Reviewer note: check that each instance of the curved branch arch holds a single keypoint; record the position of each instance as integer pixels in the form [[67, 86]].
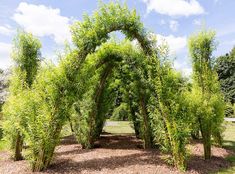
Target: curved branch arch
[[88, 36], [108, 55]]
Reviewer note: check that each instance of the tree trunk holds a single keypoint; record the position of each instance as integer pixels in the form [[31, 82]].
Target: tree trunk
[[18, 147], [134, 120], [147, 131], [207, 148], [92, 123], [206, 137]]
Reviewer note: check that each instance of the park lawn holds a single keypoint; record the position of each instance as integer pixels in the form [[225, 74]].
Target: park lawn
[[229, 136], [119, 127], [113, 127], [229, 143]]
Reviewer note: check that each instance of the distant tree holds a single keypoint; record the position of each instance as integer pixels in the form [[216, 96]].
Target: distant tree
[[225, 67]]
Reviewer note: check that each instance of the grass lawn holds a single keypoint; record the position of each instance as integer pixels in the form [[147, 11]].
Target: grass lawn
[[229, 143], [119, 127]]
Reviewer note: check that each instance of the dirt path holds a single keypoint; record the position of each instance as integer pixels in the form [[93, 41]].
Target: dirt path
[[116, 154]]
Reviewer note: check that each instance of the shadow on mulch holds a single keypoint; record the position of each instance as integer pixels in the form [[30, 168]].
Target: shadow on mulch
[[113, 162], [119, 142], [71, 158], [68, 140], [201, 166], [76, 151], [196, 163]]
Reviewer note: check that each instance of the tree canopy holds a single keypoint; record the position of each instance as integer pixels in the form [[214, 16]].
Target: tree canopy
[[225, 67]]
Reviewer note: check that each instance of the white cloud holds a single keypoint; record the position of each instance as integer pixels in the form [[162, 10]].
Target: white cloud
[[43, 21], [197, 22], [6, 30], [183, 66], [176, 44], [5, 51], [175, 7], [173, 24]]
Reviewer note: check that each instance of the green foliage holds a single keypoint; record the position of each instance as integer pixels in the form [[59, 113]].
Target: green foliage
[[225, 67], [90, 109], [76, 89], [206, 99], [49, 112], [26, 55], [84, 87], [172, 121], [94, 30], [121, 113]]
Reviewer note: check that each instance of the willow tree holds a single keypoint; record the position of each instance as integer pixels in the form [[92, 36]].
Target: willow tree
[[26, 57], [206, 98]]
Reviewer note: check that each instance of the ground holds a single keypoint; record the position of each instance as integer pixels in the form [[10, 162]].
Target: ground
[[115, 153]]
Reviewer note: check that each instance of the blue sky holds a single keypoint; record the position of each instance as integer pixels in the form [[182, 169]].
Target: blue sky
[[171, 20]]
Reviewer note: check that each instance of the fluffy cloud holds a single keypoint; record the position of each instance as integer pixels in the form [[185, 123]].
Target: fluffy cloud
[[43, 21], [176, 44], [173, 24], [5, 51], [175, 7], [183, 66], [6, 30]]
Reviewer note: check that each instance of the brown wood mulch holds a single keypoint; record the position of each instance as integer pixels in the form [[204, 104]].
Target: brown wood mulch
[[117, 154]]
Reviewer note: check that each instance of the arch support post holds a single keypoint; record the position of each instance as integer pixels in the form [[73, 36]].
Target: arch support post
[[146, 130], [93, 126], [18, 147], [42, 156]]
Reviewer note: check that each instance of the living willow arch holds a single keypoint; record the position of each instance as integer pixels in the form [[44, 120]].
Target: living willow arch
[[94, 73], [59, 91]]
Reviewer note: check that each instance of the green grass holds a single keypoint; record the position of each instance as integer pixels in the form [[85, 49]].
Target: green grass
[[114, 127], [229, 143], [66, 131], [3, 145], [119, 127], [229, 136]]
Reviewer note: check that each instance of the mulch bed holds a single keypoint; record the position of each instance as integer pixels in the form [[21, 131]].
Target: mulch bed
[[120, 154]]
